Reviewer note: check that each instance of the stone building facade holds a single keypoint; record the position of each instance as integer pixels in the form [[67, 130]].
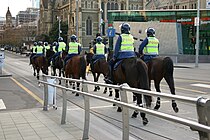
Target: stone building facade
[[91, 19]]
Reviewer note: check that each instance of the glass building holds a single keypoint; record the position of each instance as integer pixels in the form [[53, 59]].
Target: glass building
[[183, 16]]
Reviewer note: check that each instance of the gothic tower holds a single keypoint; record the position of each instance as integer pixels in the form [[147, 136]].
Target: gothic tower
[[8, 19]]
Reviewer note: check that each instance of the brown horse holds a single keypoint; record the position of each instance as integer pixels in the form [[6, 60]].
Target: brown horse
[[159, 68], [76, 68], [101, 66], [40, 63], [133, 71]]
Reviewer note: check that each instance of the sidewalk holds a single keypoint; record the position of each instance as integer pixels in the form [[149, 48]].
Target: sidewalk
[[35, 124]]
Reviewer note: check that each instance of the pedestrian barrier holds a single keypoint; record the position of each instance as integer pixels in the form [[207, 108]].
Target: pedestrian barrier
[[202, 104]]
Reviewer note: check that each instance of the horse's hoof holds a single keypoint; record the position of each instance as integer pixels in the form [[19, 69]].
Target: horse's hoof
[[175, 108], [104, 92], [156, 107], [114, 104], [110, 94], [95, 90], [77, 94], [119, 109], [134, 115], [145, 121], [98, 87], [34, 74]]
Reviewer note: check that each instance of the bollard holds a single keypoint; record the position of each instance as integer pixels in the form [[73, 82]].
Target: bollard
[[203, 110], [87, 113], [63, 119], [125, 115], [45, 94]]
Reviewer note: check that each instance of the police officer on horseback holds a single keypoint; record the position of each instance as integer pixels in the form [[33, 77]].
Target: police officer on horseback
[[39, 50], [59, 48], [99, 50], [150, 46], [124, 48], [33, 51], [53, 46], [74, 48]]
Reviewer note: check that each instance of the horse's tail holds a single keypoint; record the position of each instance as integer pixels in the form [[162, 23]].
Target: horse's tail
[[83, 67], [144, 79], [168, 66]]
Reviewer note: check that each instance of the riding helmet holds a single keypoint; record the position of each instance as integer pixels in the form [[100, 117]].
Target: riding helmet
[[60, 39], [73, 38], [150, 31], [99, 39], [125, 28]]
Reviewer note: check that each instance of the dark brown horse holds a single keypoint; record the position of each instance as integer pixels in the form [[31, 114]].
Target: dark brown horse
[[76, 68], [159, 68], [101, 66], [40, 63], [58, 63], [133, 71]]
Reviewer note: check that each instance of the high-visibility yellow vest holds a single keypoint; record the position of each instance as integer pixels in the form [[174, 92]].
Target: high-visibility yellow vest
[[61, 46], [47, 47], [34, 48], [127, 42], [73, 47], [54, 48], [152, 46], [39, 50], [100, 48]]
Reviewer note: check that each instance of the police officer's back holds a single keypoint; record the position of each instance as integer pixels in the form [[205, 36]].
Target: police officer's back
[[150, 46], [99, 49]]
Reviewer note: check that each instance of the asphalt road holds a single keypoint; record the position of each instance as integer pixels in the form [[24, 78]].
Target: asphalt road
[[21, 91]]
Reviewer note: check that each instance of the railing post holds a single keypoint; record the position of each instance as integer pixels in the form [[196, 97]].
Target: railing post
[[87, 112], [125, 115], [203, 106], [45, 94], [64, 109]]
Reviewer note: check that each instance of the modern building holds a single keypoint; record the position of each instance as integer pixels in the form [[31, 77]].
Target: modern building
[[85, 18], [28, 16], [35, 3]]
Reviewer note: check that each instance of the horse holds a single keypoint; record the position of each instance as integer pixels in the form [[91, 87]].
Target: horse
[[101, 66], [159, 68], [75, 68], [134, 72], [40, 63], [58, 63]]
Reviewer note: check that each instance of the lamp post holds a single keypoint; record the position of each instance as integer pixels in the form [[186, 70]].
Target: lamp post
[[197, 34], [59, 26], [77, 14]]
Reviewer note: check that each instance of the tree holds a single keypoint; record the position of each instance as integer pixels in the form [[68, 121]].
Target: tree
[[54, 31]]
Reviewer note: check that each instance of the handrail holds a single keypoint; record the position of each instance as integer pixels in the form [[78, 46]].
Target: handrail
[[202, 104]]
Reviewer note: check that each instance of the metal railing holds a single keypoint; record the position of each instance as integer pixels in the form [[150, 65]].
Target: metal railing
[[202, 104]]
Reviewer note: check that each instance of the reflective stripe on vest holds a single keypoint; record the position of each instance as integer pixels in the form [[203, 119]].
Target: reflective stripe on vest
[[34, 48], [73, 47], [100, 48], [127, 42], [152, 46], [39, 50], [61, 46]]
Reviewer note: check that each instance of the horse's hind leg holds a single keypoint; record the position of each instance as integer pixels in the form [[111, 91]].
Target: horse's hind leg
[[77, 94], [95, 80], [157, 87], [98, 88], [59, 76], [170, 82], [135, 113]]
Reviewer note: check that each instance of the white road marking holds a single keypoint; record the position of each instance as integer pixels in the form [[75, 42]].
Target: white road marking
[[2, 105], [201, 85]]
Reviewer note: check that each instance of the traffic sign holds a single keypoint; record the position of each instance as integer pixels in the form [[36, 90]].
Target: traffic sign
[[111, 32]]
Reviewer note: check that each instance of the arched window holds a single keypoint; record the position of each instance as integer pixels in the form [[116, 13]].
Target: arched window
[[116, 6], [89, 26], [122, 6], [86, 4], [108, 6], [112, 6], [131, 6], [91, 5]]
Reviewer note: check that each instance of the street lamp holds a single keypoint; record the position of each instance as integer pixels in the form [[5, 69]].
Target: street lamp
[[101, 21], [77, 14], [197, 34], [59, 26]]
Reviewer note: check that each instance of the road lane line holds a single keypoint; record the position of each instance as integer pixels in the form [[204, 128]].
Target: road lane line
[[28, 91], [186, 89], [2, 105], [201, 85]]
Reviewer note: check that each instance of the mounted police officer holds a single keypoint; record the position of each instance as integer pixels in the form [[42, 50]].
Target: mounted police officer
[[39, 50], [74, 48], [59, 48], [46, 46], [53, 46], [150, 46], [99, 50], [124, 48], [33, 51]]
